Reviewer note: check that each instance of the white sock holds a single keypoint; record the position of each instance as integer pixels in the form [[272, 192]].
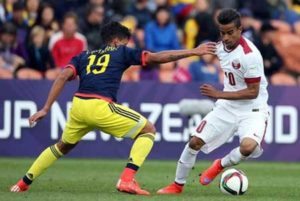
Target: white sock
[[233, 158], [185, 164]]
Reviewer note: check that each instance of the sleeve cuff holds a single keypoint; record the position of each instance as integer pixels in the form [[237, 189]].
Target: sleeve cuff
[[144, 58], [252, 80], [73, 69]]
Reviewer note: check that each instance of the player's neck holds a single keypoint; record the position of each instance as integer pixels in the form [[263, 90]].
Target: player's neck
[[230, 49]]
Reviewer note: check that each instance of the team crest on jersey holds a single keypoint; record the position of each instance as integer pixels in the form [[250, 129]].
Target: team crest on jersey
[[236, 64]]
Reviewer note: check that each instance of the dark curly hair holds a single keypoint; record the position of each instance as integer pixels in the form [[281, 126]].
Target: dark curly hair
[[113, 30], [229, 15]]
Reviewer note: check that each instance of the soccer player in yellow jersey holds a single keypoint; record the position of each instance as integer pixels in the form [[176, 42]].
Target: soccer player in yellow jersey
[[94, 104]]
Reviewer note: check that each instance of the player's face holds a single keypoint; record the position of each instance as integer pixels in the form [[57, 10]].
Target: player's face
[[230, 35]]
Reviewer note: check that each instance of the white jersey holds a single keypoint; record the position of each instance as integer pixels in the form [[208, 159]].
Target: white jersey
[[243, 65]]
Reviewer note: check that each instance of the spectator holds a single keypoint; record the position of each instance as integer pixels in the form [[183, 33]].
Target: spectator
[[90, 26], [205, 70], [47, 20], [294, 5], [67, 43], [115, 8], [272, 60], [132, 74], [201, 26], [288, 45], [21, 23], [40, 60], [154, 4], [181, 9], [32, 7], [137, 36], [280, 11], [83, 10], [63, 7], [250, 26], [286, 14], [140, 11], [10, 59], [8, 8], [261, 9], [161, 34]]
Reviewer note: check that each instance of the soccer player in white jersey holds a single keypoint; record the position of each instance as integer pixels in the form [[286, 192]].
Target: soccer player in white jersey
[[241, 107]]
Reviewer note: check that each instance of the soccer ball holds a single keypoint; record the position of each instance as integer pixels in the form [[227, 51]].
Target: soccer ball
[[234, 182]]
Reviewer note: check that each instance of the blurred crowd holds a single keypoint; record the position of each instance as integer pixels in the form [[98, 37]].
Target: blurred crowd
[[39, 37]]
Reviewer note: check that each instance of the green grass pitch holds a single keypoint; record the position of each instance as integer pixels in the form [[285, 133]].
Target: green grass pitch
[[95, 179]]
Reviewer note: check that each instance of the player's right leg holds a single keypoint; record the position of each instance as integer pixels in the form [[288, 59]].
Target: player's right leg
[[248, 147], [184, 165], [121, 121], [140, 149], [252, 129], [73, 132]]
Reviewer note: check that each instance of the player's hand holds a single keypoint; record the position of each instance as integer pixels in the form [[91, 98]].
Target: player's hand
[[36, 117], [210, 91], [206, 48]]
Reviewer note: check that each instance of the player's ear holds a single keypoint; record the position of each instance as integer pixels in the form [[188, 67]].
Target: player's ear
[[240, 28], [114, 42]]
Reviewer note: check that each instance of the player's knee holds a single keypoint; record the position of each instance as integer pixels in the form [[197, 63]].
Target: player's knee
[[247, 149], [196, 143], [65, 148], [148, 128]]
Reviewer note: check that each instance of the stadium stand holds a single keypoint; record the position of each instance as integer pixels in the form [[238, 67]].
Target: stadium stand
[[156, 25]]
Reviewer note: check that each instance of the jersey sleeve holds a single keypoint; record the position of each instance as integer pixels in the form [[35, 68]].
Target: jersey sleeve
[[134, 56], [219, 50], [252, 68], [74, 65]]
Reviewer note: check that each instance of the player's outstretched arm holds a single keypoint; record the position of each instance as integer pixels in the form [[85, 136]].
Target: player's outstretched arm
[[174, 55], [57, 87], [251, 92]]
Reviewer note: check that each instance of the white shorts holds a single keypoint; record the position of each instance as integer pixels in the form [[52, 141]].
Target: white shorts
[[222, 123]]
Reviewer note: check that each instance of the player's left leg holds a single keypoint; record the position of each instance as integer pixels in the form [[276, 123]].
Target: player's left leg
[[247, 148], [42, 163], [251, 131], [73, 132]]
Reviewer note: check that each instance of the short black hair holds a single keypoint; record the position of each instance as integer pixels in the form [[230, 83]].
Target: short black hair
[[229, 15], [113, 30]]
